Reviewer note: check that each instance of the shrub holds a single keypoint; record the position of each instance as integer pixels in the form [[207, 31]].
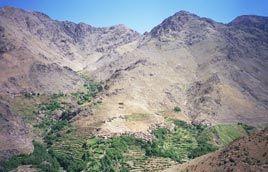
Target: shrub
[[180, 123], [177, 109]]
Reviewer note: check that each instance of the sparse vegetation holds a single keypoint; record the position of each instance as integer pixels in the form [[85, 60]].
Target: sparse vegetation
[[177, 109], [90, 93], [137, 117], [55, 96], [27, 95]]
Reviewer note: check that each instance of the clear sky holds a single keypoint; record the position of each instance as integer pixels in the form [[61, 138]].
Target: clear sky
[[140, 15]]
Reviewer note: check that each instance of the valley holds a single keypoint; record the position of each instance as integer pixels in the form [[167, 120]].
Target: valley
[[181, 97]]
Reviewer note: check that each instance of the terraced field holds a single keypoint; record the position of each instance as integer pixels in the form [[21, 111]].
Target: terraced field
[[127, 153], [69, 151], [138, 161]]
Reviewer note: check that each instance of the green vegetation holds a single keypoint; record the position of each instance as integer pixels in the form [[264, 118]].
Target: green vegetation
[[56, 96], [229, 133], [225, 134], [184, 143], [46, 158], [73, 152], [85, 76], [62, 148], [69, 150], [48, 109], [50, 137], [181, 144], [40, 159], [87, 96], [177, 109], [108, 155]]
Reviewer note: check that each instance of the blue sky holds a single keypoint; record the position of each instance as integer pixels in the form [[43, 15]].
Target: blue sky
[[140, 15]]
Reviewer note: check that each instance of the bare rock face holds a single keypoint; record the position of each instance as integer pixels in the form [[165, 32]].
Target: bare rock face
[[14, 135], [204, 97], [42, 75], [25, 168]]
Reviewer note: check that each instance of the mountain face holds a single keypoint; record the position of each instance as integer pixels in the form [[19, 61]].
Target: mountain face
[[216, 73], [37, 51]]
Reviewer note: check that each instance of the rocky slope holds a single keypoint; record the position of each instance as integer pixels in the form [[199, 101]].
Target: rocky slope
[[246, 154], [39, 54], [14, 136]]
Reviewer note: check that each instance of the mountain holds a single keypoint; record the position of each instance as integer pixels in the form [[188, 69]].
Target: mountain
[[246, 154], [37, 51], [112, 81], [215, 72]]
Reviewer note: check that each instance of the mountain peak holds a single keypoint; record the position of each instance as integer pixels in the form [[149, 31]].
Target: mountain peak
[[122, 28], [184, 13], [174, 23]]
